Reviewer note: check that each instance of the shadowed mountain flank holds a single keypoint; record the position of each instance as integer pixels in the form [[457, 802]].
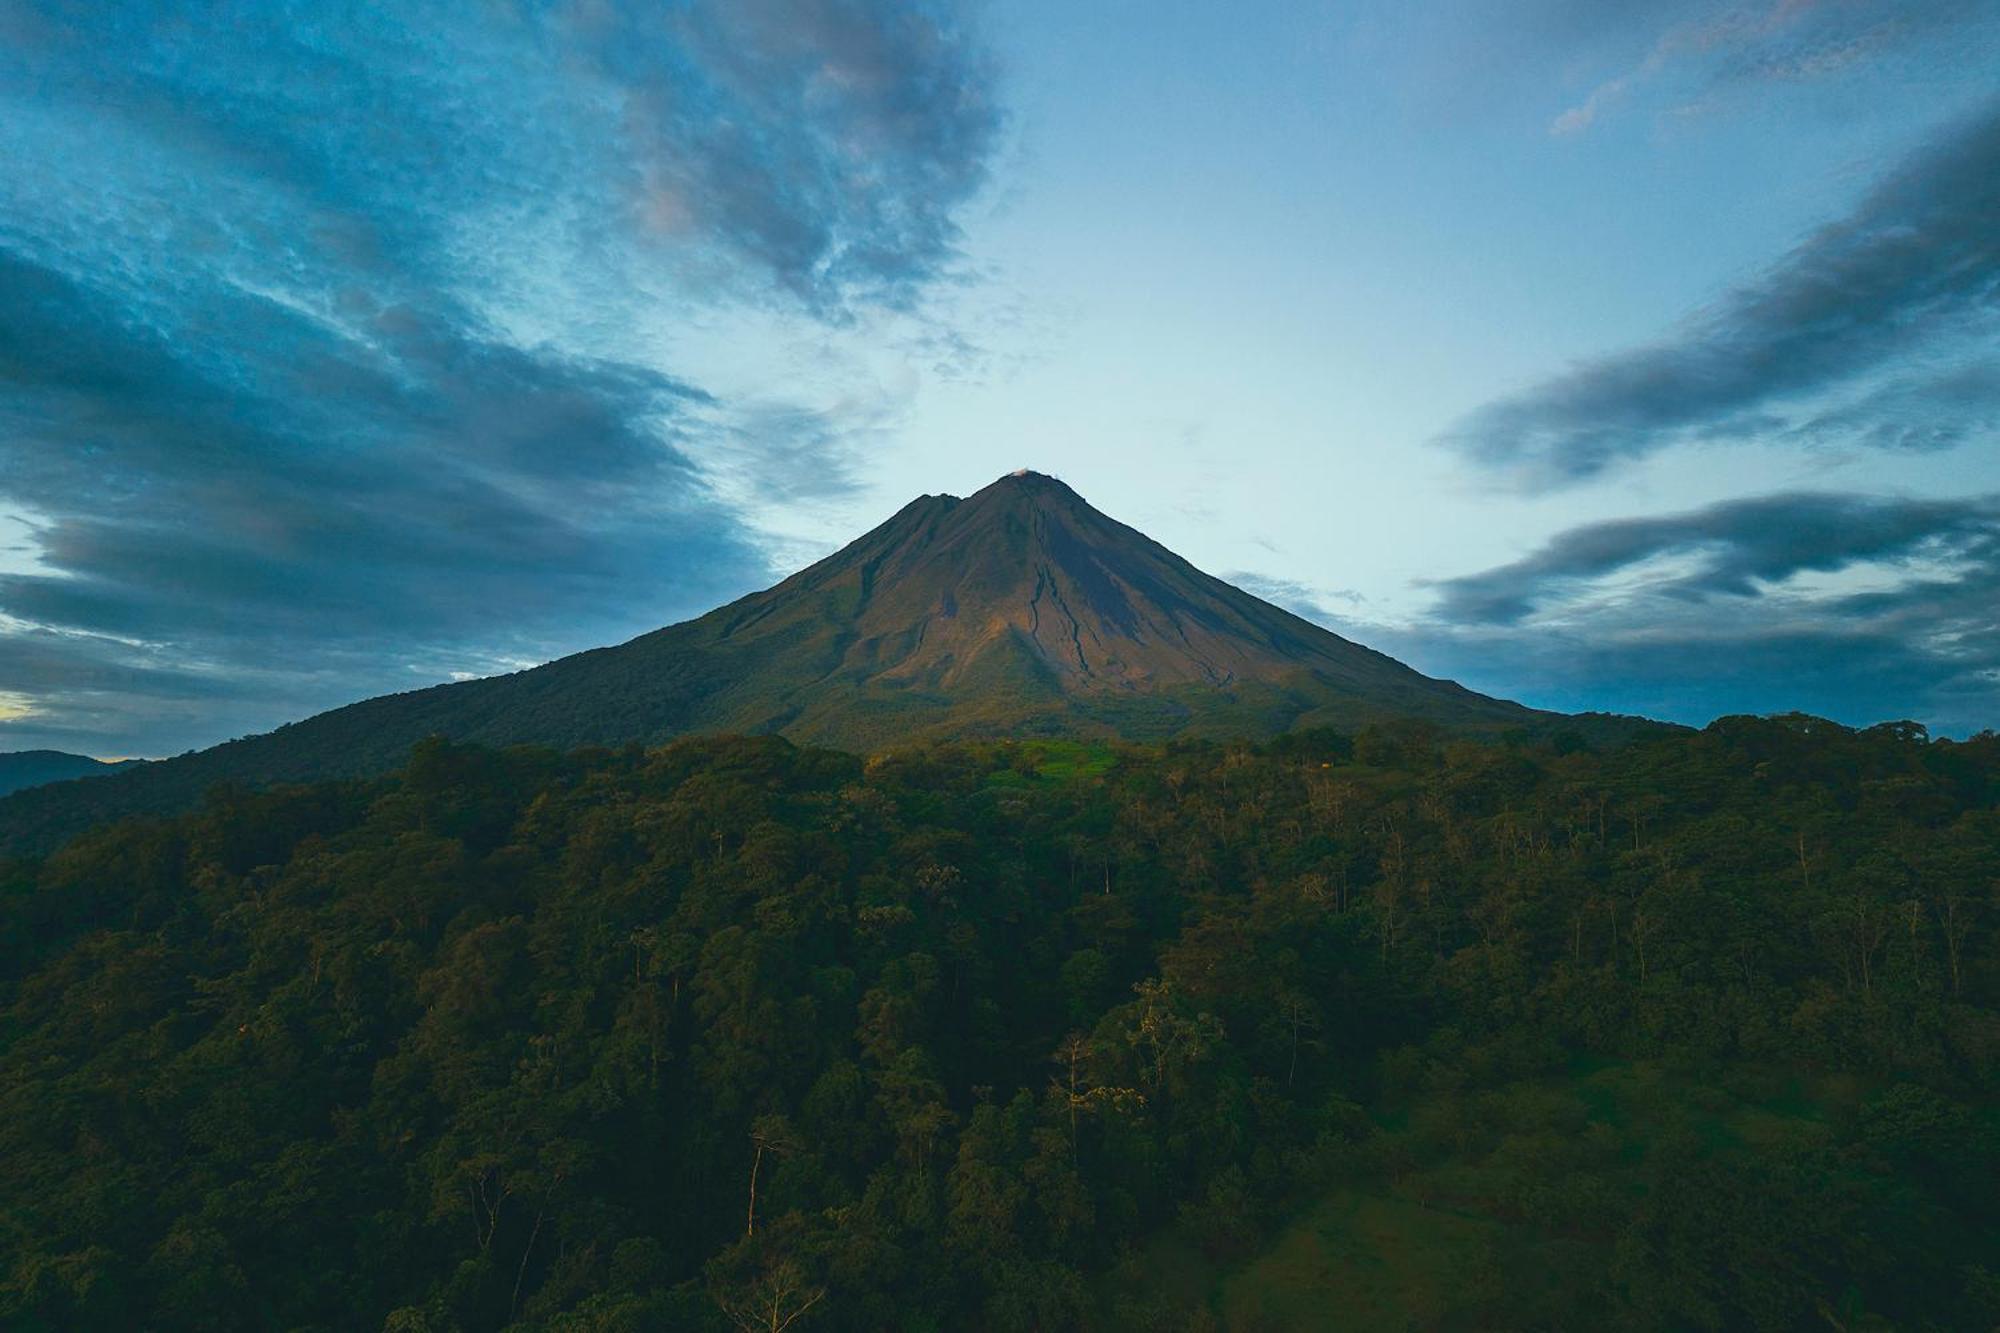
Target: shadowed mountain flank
[[1019, 610], [1026, 570]]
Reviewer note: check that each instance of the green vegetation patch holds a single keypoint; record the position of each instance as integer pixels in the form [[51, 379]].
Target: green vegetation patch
[[1363, 1262], [1402, 1032]]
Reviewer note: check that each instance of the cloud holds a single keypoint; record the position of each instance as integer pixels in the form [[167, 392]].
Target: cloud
[[1705, 49], [1736, 549], [1840, 342], [1643, 70], [418, 495], [804, 453], [330, 339], [1830, 603], [1922, 412], [1301, 599]]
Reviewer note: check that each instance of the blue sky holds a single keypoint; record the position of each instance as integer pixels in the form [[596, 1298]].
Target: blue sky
[[1597, 354]]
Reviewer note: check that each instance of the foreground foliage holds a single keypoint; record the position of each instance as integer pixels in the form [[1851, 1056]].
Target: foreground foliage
[[1386, 1032]]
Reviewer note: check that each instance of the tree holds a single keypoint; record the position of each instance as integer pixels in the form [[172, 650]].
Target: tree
[[771, 1134], [1074, 1088], [776, 1299]]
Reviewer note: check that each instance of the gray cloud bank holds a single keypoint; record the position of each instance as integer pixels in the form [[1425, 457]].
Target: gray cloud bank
[[1737, 549], [1829, 603], [313, 370], [1875, 331]]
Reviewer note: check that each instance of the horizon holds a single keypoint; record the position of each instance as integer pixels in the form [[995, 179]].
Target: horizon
[[1017, 474], [1631, 359]]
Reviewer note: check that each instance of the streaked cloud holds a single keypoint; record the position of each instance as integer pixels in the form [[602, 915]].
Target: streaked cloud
[[1874, 331], [1704, 50], [1738, 549], [336, 344], [1860, 608]]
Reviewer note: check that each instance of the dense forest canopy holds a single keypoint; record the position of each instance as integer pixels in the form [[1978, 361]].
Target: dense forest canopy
[[1699, 1032]]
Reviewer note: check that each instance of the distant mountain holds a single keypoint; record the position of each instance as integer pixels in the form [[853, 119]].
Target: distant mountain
[[1020, 610], [32, 768]]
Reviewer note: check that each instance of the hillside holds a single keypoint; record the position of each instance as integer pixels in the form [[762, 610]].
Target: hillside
[[1018, 611], [32, 768], [1702, 1032]]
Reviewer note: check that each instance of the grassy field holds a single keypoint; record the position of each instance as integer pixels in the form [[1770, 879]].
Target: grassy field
[[1053, 762], [1470, 1210], [1361, 1261]]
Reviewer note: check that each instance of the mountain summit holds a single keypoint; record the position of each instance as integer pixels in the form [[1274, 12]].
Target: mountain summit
[[1025, 582], [1026, 569], [1019, 610]]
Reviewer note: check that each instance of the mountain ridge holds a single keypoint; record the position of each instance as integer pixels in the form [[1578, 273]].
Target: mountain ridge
[[21, 769], [1017, 610]]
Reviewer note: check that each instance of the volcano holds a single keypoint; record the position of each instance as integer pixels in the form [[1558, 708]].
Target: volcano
[[1017, 611], [1023, 609]]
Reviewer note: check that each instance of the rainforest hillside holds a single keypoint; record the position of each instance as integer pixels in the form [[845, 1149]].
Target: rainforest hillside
[[1699, 1032]]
